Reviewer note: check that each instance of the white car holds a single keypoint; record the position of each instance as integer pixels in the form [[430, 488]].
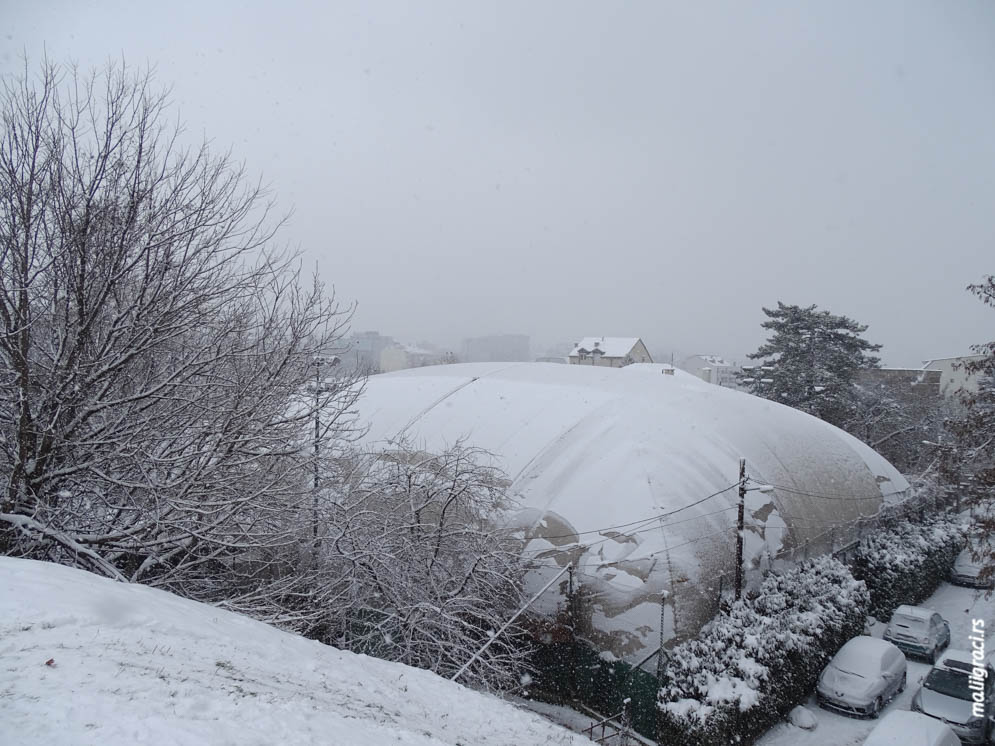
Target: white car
[[903, 728], [864, 675], [946, 694], [918, 630]]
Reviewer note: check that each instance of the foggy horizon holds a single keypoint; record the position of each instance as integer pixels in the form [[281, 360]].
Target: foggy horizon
[[564, 170]]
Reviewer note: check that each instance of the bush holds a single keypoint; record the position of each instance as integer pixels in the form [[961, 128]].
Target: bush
[[760, 657], [905, 564]]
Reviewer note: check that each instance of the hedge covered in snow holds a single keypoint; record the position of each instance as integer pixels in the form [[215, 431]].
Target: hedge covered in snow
[[755, 661], [904, 564]]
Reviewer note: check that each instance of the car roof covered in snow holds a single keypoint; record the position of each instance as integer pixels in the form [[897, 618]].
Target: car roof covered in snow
[[631, 474], [904, 728], [862, 655], [915, 612]]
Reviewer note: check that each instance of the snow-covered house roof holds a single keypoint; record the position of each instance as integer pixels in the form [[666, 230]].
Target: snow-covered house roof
[[609, 346], [632, 474]]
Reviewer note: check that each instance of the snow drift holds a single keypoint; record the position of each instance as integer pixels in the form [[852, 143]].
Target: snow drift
[[90, 661]]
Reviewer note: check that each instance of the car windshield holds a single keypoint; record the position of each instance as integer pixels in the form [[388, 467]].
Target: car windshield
[[910, 623], [950, 683], [857, 666]]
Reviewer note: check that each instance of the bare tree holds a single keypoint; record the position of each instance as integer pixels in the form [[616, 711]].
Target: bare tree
[[968, 461], [156, 348], [425, 572], [897, 422]]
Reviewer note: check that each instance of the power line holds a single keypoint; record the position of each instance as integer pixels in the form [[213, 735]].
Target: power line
[[575, 546], [840, 496], [658, 517], [822, 495]]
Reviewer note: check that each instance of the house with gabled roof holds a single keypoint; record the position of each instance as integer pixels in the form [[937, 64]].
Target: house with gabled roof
[[610, 352]]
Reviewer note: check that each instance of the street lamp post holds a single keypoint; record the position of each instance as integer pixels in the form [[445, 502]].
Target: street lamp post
[[739, 528]]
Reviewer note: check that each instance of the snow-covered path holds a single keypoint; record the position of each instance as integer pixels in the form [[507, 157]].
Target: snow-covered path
[[958, 606], [84, 660]]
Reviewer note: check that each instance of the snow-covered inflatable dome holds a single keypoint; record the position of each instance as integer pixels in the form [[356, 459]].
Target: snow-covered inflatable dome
[[632, 475]]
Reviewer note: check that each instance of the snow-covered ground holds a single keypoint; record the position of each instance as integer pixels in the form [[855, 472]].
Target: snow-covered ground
[[958, 606], [84, 660]]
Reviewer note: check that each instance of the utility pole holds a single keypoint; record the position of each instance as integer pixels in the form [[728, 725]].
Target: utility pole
[[739, 528], [661, 661]]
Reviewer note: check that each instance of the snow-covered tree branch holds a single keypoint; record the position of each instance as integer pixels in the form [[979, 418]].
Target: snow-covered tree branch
[[425, 573], [156, 346]]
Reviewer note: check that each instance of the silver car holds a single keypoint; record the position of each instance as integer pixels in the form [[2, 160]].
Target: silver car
[[862, 677], [918, 630], [946, 694], [967, 570]]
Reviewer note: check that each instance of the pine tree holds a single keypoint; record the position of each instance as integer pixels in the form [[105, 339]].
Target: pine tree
[[811, 360]]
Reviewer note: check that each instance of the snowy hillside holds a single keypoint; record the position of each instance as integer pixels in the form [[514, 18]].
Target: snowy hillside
[[84, 660]]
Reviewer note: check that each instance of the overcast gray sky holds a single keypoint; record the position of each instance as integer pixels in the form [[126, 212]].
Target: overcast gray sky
[[562, 169]]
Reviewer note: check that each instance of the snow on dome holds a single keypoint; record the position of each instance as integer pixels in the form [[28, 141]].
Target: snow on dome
[[633, 475]]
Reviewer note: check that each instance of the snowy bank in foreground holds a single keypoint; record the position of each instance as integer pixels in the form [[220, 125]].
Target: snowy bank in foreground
[[89, 661]]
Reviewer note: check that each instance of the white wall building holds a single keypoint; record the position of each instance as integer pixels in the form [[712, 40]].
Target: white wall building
[[403, 356], [712, 369], [953, 377]]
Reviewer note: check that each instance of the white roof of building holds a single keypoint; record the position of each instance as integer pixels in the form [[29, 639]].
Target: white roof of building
[[966, 356], [596, 455], [610, 346]]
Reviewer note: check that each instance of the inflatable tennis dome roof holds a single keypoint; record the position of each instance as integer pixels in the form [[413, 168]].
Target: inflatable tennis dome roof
[[632, 474]]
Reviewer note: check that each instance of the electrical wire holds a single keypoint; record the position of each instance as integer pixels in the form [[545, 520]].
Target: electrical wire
[[840, 496], [823, 495], [649, 519]]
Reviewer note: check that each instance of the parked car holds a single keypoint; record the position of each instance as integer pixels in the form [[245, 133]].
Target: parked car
[[918, 630], [903, 728], [946, 695], [864, 675], [967, 570]]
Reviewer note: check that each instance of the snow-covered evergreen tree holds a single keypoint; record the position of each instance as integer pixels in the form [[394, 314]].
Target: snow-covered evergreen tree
[[811, 360]]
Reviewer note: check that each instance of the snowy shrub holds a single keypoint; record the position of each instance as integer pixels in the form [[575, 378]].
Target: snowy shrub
[[759, 658], [905, 564]]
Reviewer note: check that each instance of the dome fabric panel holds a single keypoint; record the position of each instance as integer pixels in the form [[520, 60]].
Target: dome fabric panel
[[589, 448]]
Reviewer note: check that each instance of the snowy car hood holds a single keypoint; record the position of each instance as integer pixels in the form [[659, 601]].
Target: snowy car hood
[[944, 707]]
